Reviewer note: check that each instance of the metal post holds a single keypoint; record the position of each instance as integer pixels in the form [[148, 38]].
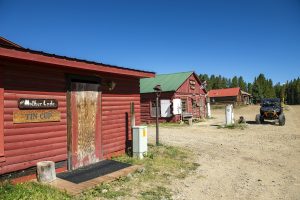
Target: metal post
[[157, 128]]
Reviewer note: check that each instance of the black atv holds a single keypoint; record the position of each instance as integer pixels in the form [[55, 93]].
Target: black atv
[[270, 109]]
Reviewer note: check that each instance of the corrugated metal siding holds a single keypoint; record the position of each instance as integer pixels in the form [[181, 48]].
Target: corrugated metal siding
[[28, 143], [116, 114]]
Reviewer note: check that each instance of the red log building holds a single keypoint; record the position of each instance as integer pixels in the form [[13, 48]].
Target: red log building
[[182, 96], [70, 111], [234, 96]]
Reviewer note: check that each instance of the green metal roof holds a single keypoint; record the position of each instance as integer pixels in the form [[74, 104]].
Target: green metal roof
[[168, 82]]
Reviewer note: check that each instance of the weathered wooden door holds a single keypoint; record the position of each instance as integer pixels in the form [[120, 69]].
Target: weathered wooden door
[[86, 121]]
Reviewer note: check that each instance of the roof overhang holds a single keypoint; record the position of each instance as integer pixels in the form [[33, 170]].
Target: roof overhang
[[222, 96], [8, 42], [64, 62]]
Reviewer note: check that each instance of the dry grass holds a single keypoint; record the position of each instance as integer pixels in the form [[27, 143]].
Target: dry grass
[[162, 165]]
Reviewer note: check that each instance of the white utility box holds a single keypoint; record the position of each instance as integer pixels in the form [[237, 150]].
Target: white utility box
[[139, 141]]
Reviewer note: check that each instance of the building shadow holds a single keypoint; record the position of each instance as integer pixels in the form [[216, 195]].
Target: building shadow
[[264, 123], [128, 140]]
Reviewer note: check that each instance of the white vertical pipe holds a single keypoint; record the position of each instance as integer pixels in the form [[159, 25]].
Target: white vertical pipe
[[208, 110]]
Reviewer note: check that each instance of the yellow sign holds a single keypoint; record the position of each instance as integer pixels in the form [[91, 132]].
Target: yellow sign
[[32, 116], [144, 133]]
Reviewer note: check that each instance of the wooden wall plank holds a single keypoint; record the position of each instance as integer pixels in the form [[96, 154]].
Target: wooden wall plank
[[1, 116], [26, 143]]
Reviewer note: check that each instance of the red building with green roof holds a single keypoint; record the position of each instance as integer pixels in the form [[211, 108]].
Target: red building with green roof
[[182, 96]]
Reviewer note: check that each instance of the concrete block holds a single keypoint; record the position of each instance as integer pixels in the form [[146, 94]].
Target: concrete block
[[190, 121], [46, 171]]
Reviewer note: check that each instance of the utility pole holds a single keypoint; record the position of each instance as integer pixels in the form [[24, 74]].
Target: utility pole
[[157, 90]]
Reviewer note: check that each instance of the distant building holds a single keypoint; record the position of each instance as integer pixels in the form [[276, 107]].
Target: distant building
[[229, 96], [182, 96], [247, 98]]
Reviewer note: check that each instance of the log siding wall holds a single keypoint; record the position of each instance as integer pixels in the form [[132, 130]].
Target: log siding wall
[[2, 158], [28, 143], [183, 92]]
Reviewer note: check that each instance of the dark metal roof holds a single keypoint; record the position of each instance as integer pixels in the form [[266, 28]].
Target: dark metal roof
[[5, 41], [68, 58]]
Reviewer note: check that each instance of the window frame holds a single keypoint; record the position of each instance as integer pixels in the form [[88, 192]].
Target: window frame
[[184, 109]]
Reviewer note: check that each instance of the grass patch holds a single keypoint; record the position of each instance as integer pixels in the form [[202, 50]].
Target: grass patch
[[162, 165], [216, 107], [210, 118], [30, 190], [156, 193], [170, 124], [176, 124]]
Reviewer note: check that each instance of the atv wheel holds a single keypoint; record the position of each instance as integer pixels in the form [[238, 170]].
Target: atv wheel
[[281, 120], [258, 119]]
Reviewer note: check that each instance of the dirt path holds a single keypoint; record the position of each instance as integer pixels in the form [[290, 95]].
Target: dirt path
[[259, 162]]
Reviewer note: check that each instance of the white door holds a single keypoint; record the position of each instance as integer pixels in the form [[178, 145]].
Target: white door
[[165, 108], [177, 107]]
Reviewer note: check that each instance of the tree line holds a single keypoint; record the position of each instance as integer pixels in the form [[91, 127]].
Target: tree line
[[261, 87]]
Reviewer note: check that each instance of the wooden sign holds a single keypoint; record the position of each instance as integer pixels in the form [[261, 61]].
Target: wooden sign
[[192, 82], [38, 103], [31, 116]]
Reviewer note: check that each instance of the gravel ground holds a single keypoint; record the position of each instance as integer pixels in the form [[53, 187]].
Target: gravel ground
[[259, 162]]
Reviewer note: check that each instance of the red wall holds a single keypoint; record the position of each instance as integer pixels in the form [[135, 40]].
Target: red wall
[[146, 107], [183, 92], [185, 87], [115, 108], [26, 144]]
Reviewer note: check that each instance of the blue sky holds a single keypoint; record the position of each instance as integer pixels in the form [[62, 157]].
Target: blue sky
[[227, 37]]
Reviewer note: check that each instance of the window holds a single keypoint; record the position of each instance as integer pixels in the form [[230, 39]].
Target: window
[[194, 104], [183, 105], [153, 108]]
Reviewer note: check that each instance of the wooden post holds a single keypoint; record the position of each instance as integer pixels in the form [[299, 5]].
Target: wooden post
[[157, 128]]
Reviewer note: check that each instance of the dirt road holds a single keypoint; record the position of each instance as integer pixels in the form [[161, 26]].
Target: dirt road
[[259, 162]]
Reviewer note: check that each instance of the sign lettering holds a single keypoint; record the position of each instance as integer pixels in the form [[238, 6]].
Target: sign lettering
[[38, 104], [31, 116]]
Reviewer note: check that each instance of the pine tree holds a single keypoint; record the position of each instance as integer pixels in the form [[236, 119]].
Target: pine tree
[[249, 88], [242, 84], [234, 82]]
